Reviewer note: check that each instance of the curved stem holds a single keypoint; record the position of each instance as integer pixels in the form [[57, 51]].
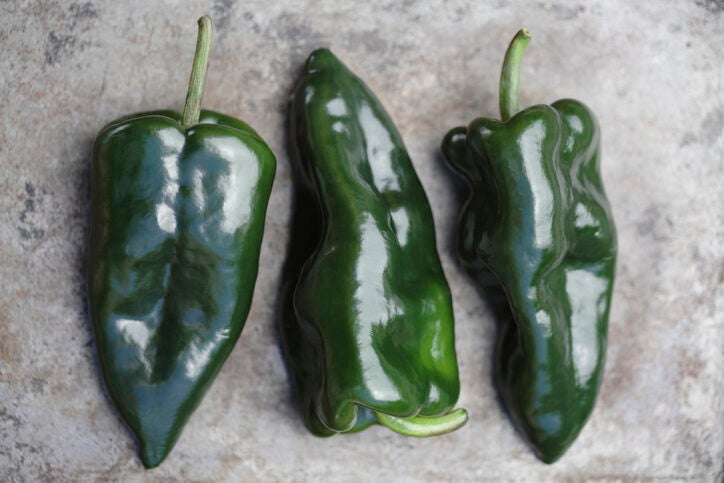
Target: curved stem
[[510, 76], [192, 108], [423, 426]]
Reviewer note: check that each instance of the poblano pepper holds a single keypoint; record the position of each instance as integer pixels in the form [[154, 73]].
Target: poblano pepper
[[537, 234], [178, 215], [367, 318]]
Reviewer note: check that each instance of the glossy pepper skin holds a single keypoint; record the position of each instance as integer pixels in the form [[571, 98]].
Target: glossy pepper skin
[[366, 319], [177, 223], [538, 236]]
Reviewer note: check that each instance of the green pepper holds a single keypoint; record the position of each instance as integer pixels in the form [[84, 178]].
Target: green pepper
[[179, 203], [537, 235], [366, 316]]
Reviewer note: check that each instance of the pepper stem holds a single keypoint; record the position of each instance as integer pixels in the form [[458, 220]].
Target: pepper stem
[[424, 426], [510, 76], [192, 108]]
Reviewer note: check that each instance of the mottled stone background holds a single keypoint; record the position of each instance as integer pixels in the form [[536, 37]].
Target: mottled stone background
[[651, 70]]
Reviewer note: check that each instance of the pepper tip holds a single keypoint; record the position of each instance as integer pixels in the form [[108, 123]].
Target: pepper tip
[[152, 453], [319, 59]]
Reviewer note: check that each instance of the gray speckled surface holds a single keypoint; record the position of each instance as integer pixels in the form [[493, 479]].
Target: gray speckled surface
[[652, 71]]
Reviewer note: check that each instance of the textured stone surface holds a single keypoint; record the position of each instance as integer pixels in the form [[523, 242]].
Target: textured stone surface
[[652, 71]]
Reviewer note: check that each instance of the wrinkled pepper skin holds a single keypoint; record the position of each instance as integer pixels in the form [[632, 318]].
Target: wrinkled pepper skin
[[177, 222], [366, 318], [537, 235]]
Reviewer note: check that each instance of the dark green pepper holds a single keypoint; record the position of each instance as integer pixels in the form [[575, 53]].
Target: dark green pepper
[[178, 215], [366, 317], [537, 234]]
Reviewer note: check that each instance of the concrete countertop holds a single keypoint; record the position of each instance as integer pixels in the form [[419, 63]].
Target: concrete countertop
[[652, 71]]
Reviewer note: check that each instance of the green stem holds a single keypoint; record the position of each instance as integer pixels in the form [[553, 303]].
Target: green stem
[[192, 108], [510, 76], [423, 426]]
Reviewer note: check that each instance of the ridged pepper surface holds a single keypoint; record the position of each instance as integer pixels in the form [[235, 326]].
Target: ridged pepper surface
[[538, 236], [367, 317]]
